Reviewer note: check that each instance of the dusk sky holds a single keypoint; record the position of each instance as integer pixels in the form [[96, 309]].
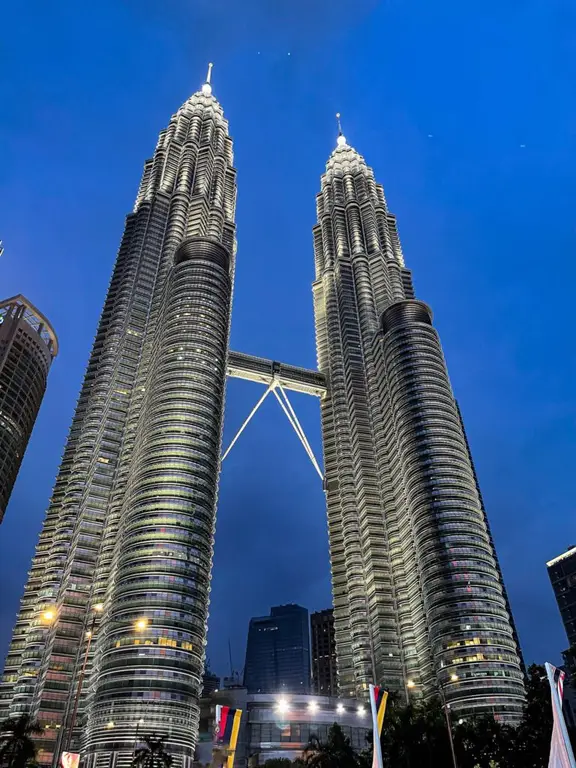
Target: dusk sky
[[465, 110]]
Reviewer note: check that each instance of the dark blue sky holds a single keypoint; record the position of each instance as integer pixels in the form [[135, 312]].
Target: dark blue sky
[[467, 113]]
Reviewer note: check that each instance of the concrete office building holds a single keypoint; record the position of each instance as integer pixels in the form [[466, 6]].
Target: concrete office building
[[28, 345]]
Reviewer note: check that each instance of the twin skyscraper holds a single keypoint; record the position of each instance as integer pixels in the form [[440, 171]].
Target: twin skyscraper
[[125, 554]]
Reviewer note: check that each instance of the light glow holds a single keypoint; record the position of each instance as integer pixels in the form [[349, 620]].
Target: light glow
[[361, 711], [282, 706], [99, 607], [410, 684], [313, 707], [340, 709], [141, 624]]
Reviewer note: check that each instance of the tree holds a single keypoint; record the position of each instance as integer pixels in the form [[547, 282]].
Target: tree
[[535, 730], [415, 736], [278, 762], [153, 754], [17, 749], [335, 752], [483, 742]]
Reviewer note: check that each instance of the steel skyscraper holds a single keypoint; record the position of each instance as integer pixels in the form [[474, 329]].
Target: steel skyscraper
[[419, 603], [131, 522]]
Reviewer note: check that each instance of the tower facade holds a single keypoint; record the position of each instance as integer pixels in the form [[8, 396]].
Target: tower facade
[[419, 603], [112, 626], [28, 345]]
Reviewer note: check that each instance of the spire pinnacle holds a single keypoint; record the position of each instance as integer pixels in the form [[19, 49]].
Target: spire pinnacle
[[341, 140], [207, 87]]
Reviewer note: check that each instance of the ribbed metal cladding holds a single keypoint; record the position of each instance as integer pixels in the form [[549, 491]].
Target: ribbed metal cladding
[[165, 547], [27, 347], [419, 604], [447, 542]]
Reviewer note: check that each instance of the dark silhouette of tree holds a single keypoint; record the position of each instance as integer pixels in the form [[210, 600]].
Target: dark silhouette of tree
[[483, 742], [153, 754], [17, 749], [278, 762], [335, 752]]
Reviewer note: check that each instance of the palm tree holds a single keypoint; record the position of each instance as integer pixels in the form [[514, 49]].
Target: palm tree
[[16, 746], [153, 754]]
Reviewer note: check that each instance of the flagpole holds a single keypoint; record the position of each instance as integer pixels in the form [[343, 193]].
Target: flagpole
[[377, 762], [559, 719]]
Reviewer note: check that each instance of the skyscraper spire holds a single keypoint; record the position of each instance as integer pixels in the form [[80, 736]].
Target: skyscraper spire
[[341, 140], [207, 87]]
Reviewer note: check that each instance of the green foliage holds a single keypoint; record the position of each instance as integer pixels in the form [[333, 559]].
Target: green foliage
[[17, 749], [153, 754]]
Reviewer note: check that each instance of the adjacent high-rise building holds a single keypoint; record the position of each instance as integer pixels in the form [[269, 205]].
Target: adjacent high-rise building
[[131, 522], [323, 641], [278, 652], [28, 345], [562, 573], [419, 604]]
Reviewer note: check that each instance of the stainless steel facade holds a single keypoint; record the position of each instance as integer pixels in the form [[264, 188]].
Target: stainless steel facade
[[419, 603], [131, 522], [28, 345]]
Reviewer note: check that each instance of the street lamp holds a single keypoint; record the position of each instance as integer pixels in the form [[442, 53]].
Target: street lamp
[[97, 609], [446, 707]]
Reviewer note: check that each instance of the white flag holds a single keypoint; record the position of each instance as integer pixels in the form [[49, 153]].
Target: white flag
[[561, 755]]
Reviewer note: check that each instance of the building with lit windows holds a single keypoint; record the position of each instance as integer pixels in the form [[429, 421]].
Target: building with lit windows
[[28, 345], [131, 519], [278, 652], [419, 603], [323, 642]]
